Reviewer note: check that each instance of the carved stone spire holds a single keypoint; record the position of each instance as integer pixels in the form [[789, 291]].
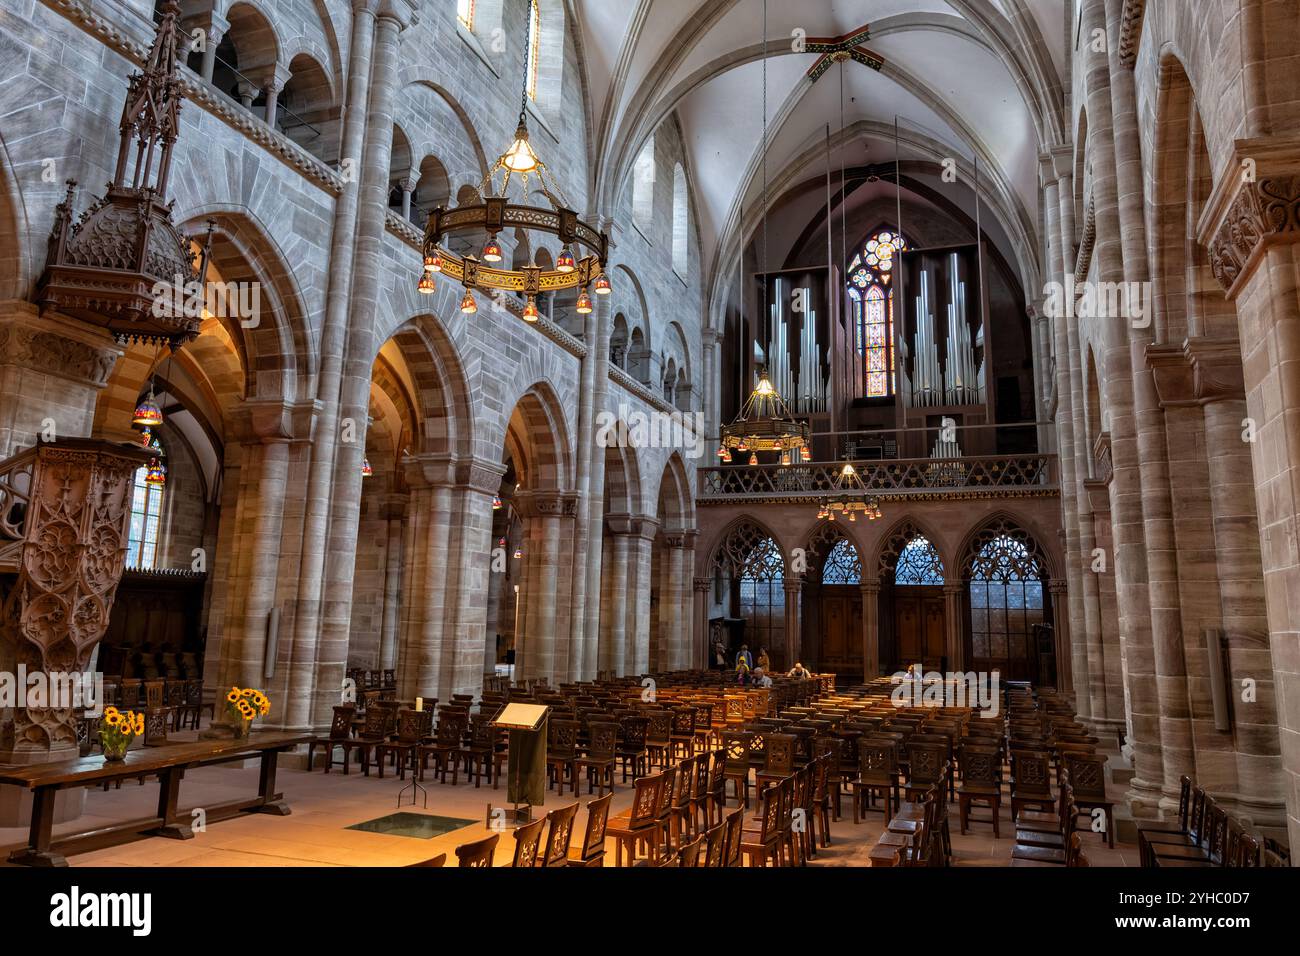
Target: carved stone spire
[[104, 268]]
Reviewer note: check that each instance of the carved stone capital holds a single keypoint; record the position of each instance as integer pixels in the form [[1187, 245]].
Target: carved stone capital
[[1217, 372], [685, 540], [481, 475], [1097, 493], [268, 421], [429, 471], [547, 504], [1265, 212], [703, 584], [1172, 375]]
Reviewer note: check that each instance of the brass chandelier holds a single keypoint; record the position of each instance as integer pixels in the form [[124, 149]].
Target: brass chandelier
[[495, 213], [849, 498], [765, 424]]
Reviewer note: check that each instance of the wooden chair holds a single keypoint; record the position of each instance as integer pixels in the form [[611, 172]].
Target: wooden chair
[[600, 757], [764, 843], [1088, 777], [340, 731], [478, 853], [639, 823], [658, 738], [778, 761], [1186, 831], [715, 801], [981, 784], [372, 734], [736, 767], [878, 774], [157, 716], [682, 733], [528, 838], [592, 851], [1176, 827], [715, 846], [927, 767], [734, 839], [1067, 857], [446, 746], [435, 862], [690, 854], [1243, 849], [631, 749], [562, 753], [1031, 782], [479, 754], [557, 835], [412, 728]]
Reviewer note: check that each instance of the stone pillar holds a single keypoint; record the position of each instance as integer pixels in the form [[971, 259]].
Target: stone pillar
[[545, 649], [407, 186], [793, 649], [268, 428], [333, 613], [299, 651], [1142, 664], [215, 26], [424, 588], [700, 658], [1061, 633], [640, 562], [395, 509], [954, 642], [870, 628], [619, 596], [1254, 243], [1252, 769], [591, 520], [279, 77], [467, 569]]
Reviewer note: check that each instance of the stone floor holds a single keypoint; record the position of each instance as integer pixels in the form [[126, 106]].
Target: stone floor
[[324, 806]]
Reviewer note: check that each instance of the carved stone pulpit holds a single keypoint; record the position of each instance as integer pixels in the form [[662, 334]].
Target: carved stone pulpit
[[64, 513]]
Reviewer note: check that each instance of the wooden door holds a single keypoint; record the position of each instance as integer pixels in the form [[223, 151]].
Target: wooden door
[[919, 625], [841, 629]]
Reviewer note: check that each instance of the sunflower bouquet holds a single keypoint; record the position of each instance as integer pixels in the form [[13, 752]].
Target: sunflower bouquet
[[117, 728], [244, 705]]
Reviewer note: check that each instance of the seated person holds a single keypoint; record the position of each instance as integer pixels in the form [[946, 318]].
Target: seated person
[[799, 671], [761, 679]]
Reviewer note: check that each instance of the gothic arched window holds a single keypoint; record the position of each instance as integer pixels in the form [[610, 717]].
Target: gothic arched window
[[842, 565], [871, 301], [145, 527], [1006, 601], [749, 573], [919, 564]]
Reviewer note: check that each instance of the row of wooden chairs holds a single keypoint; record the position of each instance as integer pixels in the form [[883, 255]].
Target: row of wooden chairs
[[1203, 834]]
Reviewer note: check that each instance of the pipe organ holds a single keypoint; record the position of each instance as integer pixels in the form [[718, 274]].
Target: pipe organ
[[959, 379], [794, 362]]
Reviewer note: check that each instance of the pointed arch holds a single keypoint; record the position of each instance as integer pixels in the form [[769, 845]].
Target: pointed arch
[[895, 541], [676, 507], [733, 551], [833, 556], [439, 389], [993, 530]]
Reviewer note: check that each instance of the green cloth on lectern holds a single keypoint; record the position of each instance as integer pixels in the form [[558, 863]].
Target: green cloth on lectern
[[526, 766]]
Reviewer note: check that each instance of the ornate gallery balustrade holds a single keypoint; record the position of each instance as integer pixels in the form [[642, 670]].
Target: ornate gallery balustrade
[[1009, 476]]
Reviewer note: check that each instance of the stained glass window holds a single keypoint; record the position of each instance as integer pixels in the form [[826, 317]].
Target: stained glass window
[[842, 565], [749, 567], [534, 46], [871, 302], [145, 525], [465, 13], [919, 564]]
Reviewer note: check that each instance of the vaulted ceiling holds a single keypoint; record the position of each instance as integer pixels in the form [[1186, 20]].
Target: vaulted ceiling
[[978, 81]]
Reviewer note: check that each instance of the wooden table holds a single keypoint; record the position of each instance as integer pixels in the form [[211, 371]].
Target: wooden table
[[168, 764]]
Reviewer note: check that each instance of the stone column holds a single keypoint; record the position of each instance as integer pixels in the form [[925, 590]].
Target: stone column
[[793, 644], [215, 26], [545, 652], [279, 77], [431, 479], [954, 644], [619, 595], [586, 610], [700, 638], [395, 509], [407, 186], [268, 428], [1061, 632], [299, 651], [870, 628], [467, 570], [1141, 663], [1253, 768], [640, 562]]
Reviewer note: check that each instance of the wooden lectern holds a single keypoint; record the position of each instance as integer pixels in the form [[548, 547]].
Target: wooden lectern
[[526, 763]]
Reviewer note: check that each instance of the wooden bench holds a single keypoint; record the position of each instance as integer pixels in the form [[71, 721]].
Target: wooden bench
[[168, 764]]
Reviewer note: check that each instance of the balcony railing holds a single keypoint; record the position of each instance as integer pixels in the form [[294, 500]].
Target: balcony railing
[[993, 476]]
